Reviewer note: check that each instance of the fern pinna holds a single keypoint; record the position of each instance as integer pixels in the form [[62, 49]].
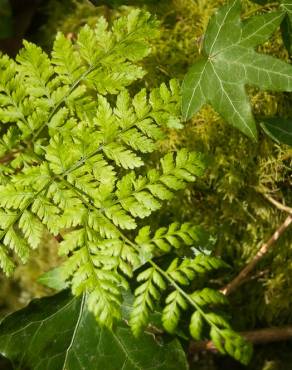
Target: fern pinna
[[73, 146]]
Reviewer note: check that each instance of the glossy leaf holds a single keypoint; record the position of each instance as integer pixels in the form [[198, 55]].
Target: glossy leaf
[[229, 62], [286, 26], [59, 333], [279, 129]]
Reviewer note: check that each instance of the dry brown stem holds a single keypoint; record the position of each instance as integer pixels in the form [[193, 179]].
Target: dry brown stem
[[241, 277], [260, 336]]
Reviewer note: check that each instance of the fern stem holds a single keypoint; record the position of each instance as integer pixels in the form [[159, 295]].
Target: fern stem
[[181, 291], [8, 157], [171, 281], [277, 204]]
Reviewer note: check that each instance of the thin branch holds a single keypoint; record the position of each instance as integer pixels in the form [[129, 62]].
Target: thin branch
[[8, 157], [260, 336], [241, 277], [277, 204], [259, 255]]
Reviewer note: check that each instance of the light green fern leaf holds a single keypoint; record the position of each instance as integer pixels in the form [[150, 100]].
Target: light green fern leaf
[[171, 313], [146, 295]]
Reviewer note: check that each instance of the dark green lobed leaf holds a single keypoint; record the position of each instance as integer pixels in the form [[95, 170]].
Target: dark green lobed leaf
[[279, 129], [230, 62], [60, 333]]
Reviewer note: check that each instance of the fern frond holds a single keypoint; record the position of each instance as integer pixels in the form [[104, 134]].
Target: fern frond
[[126, 258], [229, 342], [188, 269], [171, 313], [74, 145], [103, 287], [47, 212], [209, 296], [196, 325], [66, 60], [115, 50], [12, 93], [122, 156], [9, 140], [105, 300], [73, 70], [165, 104], [5, 261], [14, 197], [36, 70], [71, 241], [32, 228], [141, 196], [62, 197], [146, 295], [15, 241], [79, 176], [164, 238]]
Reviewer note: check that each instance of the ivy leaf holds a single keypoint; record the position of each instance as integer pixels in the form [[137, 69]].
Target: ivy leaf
[[230, 62], [59, 333], [279, 129], [286, 26]]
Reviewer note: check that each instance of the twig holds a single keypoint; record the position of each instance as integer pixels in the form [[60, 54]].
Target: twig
[[7, 158], [10, 156], [277, 204], [259, 255], [260, 336], [241, 277]]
